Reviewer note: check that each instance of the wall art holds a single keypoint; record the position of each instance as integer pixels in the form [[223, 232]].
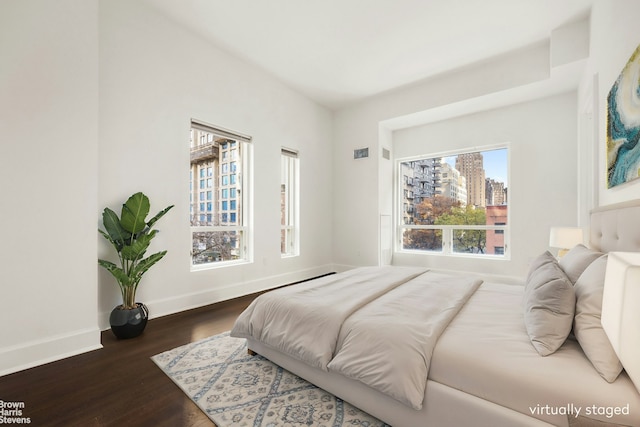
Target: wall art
[[623, 125]]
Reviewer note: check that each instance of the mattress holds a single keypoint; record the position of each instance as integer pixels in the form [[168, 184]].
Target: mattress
[[484, 371], [486, 352], [443, 405]]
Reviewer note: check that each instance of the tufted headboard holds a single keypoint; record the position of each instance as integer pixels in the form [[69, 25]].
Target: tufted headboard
[[616, 227]]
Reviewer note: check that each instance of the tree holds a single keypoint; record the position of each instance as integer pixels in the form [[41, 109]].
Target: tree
[[428, 211], [211, 246], [473, 241], [427, 240]]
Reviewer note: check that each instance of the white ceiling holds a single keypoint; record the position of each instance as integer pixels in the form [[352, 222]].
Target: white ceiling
[[340, 51]]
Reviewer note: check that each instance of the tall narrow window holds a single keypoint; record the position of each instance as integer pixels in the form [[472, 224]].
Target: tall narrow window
[[219, 184], [455, 203], [289, 235]]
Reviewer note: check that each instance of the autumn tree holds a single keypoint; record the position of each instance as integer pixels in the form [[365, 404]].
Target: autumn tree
[[431, 208], [428, 211], [473, 241]]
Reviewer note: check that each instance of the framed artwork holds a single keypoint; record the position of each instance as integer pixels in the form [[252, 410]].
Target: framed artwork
[[623, 125]]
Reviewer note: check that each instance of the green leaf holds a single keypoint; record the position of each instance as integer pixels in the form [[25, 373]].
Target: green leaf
[[146, 264], [158, 216], [134, 212], [131, 237], [139, 246], [106, 236], [119, 274], [111, 223]]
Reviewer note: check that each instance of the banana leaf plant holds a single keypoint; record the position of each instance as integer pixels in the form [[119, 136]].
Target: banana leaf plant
[[131, 235]]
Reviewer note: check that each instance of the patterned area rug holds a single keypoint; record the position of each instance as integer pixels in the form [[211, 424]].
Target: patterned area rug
[[236, 389]]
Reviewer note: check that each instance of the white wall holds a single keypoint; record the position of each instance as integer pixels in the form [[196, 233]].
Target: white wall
[[48, 180], [542, 186], [95, 103], [615, 34], [154, 77], [363, 188]]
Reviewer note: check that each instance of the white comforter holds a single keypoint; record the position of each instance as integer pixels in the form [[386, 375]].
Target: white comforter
[[377, 325]]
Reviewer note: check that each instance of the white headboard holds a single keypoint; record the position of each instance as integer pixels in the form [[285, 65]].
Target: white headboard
[[616, 227]]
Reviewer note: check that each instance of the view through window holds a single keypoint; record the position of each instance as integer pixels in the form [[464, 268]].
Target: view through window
[[289, 235], [455, 204], [217, 201]]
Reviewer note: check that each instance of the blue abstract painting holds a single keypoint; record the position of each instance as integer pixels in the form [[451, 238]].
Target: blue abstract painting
[[623, 125]]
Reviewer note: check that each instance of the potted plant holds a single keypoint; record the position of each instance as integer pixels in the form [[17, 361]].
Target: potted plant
[[130, 235]]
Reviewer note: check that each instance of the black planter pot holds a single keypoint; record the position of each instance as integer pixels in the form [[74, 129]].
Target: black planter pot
[[129, 323]]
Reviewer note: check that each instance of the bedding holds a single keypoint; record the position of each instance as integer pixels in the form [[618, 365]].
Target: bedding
[[577, 260], [549, 304], [393, 357], [512, 374], [473, 340], [352, 332], [484, 369], [587, 326], [284, 318]]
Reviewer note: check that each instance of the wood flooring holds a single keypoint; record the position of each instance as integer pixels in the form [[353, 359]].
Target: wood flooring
[[119, 385]]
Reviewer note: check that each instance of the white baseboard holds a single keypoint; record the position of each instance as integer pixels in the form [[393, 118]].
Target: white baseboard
[[38, 352], [164, 307], [34, 353]]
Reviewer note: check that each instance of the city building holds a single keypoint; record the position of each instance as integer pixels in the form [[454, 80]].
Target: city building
[[496, 215], [214, 196], [409, 184], [452, 183], [421, 180], [471, 167], [496, 192]]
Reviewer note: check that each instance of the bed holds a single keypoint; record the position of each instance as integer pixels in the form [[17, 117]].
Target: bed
[[395, 342]]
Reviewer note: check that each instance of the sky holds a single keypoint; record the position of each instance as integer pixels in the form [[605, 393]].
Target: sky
[[495, 164]]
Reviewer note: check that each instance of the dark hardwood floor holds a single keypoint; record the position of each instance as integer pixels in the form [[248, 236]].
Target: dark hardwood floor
[[119, 385]]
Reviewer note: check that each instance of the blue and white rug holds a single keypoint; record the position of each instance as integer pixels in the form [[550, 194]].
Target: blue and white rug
[[236, 389]]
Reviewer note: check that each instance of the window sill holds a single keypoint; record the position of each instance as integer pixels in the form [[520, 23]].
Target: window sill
[[217, 265], [492, 257]]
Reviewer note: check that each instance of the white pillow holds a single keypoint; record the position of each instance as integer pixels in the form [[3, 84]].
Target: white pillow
[[577, 260], [587, 327], [549, 304]]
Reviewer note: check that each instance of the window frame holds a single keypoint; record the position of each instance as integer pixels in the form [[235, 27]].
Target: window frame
[[400, 207], [290, 203], [245, 185]]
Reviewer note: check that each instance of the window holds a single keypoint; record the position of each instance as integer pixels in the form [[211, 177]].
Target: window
[[219, 207], [454, 203], [289, 178]]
